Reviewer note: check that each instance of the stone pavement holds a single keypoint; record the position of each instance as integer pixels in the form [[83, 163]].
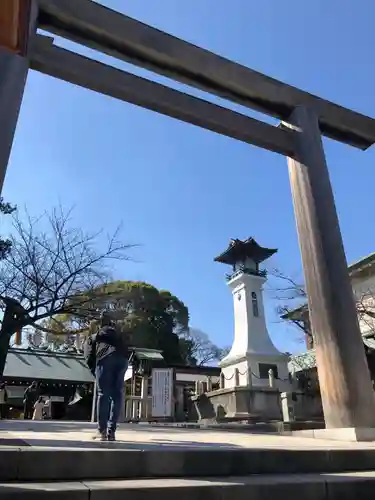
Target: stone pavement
[[149, 437], [59, 460]]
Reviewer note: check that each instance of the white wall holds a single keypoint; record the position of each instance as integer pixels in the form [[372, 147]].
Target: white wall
[[250, 331]]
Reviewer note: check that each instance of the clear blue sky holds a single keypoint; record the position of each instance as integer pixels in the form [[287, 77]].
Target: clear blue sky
[[183, 192]]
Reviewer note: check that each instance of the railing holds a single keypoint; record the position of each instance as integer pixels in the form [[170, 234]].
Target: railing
[[137, 408], [246, 270]]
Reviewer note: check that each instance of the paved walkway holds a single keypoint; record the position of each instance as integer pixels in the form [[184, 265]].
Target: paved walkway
[[132, 436]]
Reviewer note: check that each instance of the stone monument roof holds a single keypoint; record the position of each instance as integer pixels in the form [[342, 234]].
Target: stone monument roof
[[239, 250]]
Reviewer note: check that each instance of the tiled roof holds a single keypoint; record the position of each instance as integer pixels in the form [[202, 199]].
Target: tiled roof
[[35, 365]]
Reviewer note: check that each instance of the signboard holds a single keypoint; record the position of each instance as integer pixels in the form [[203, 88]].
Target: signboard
[[162, 392], [16, 392]]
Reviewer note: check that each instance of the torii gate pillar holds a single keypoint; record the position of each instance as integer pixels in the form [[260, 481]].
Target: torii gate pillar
[[347, 395], [15, 27]]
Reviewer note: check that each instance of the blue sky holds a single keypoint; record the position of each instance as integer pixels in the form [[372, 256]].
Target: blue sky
[[182, 192]]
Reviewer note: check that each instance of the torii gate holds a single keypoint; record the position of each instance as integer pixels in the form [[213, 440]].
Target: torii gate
[[346, 389]]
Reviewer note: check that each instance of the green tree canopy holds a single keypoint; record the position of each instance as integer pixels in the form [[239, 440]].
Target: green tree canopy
[[152, 318]]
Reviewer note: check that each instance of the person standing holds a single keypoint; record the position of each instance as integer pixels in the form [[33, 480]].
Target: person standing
[[3, 401], [38, 409], [107, 357], [29, 399], [48, 408]]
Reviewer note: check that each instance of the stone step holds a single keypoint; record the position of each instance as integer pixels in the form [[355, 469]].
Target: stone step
[[344, 486], [71, 464]]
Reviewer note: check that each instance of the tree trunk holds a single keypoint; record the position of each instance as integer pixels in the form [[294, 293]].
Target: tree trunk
[[9, 327]]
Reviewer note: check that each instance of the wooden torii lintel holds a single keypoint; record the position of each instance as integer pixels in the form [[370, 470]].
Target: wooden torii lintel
[[14, 25]]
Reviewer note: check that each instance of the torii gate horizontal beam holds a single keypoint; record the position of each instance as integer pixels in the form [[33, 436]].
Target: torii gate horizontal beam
[[79, 70], [113, 33]]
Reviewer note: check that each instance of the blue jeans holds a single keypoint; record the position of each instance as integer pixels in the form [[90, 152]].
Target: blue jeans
[[110, 372]]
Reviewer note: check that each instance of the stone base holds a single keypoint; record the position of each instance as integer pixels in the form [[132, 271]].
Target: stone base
[[352, 434], [248, 367], [239, 404]]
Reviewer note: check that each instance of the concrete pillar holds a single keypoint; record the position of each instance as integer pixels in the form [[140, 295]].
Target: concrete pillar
[[287, 406], [249, 377], [271, 378], [209, 384], [236, 377], [347, 396]]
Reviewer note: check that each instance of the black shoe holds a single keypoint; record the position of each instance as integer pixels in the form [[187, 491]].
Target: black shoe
[[100, 436], [111, 436]]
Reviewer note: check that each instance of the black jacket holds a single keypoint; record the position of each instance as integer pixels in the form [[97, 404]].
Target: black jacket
[[103, 343], [31, 395]]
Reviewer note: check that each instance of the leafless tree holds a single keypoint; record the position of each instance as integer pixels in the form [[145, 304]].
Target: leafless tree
[[290, 294], [292, 307], [51, 263], [201, 348]]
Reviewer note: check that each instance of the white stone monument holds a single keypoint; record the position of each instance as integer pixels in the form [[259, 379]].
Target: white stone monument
[[253, 354]]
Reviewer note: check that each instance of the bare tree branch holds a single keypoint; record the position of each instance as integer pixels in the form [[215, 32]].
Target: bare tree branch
[[201, 348], [291, 295], [53, 267]]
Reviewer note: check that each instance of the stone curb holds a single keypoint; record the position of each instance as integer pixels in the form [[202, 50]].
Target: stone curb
[[66, 464], [294, 487], [277, 428]]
